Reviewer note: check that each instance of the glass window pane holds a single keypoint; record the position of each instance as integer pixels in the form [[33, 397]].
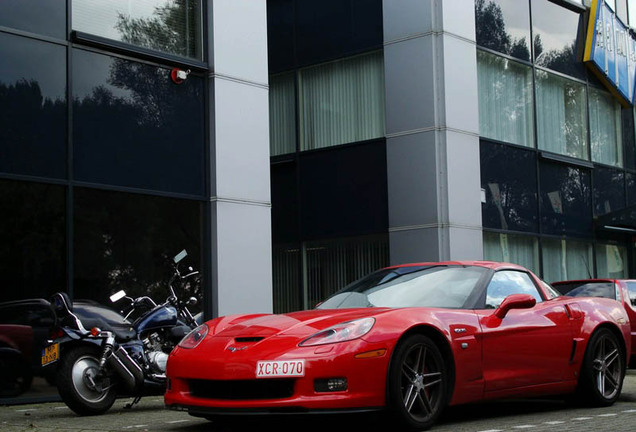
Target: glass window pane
[[611, 261], [32, 107], [504, 26], [563, 260], [33, 239], [158, 141], [605, 128], [282, 114], [630, 180], [631, 12], [286, 277], [332, 264], [555, 32], [516, 249], [511, 195], [168, 26], [609, 190], [505, 283], [621, 10], [561, 121], [505, 100], [342, 102], [127, 241], [566, 200], [46, 17]]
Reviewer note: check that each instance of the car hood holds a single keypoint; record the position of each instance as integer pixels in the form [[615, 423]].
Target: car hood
[[298, 324]]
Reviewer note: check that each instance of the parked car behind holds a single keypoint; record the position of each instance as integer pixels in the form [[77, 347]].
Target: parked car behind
[[25, 326], [622, 290]]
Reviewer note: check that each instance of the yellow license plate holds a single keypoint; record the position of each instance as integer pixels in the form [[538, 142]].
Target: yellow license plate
[[50, 354]]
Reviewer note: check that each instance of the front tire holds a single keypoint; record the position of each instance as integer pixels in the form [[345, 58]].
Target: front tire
[[603, 370], [417, 384], [81, 387]]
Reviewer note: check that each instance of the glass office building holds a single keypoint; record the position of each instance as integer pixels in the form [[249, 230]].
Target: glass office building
[[434, 131], [310, 143]]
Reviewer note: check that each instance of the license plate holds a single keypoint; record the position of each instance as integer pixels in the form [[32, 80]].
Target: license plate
[[50, 354], [284, 368]]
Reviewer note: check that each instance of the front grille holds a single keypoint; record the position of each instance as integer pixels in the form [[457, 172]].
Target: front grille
[[242, 389]]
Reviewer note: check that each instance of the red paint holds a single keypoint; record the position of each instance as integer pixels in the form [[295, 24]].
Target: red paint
[[529, 350]]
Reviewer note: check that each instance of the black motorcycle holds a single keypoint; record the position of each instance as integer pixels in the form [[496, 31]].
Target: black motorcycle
[[118, 355]]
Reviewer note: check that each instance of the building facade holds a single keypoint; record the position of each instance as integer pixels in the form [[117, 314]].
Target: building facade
[[292, 146], [429, 130], [132, 130]]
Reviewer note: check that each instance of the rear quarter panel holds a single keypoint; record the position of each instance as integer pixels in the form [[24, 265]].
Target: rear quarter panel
[[597, 312]]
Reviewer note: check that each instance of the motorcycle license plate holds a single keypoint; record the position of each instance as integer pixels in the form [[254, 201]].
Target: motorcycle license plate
[[50, 354]]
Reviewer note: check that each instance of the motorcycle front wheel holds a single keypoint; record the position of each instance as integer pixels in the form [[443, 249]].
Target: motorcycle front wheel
[[82, 388]]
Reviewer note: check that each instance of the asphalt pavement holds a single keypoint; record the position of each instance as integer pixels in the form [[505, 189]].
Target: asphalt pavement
[[500, 416]]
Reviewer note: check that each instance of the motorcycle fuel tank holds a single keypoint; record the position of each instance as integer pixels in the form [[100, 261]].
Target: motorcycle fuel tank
[[161, 316]]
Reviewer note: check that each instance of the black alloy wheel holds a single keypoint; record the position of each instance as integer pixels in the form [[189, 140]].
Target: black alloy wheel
[[417, 383], [603, 369]]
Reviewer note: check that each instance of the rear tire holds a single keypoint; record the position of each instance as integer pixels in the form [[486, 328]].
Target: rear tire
[[79, 384], [602, 371], [417, 385]]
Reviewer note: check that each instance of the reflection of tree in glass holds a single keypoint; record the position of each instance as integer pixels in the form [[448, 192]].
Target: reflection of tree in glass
[[172, 29], [127, 241], [491, 31], [516, 200]]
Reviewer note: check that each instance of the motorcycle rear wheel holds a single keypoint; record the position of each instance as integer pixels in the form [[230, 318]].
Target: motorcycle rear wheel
[[81, 387]]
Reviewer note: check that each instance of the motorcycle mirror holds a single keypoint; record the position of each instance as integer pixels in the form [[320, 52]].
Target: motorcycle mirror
[[118, 296], [181, 255], [192, 301]]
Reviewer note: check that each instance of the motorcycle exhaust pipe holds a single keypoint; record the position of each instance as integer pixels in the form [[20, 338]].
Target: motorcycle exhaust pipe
[[127, 369]]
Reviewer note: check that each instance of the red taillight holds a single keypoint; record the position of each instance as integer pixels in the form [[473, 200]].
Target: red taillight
[[56, 333], [95, 331]]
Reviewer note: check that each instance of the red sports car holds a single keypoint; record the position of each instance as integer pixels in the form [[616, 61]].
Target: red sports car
[[409, 340], [622, 290]]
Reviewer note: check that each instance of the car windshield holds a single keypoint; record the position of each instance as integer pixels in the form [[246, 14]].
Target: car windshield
[[587, 289], [416, 286]]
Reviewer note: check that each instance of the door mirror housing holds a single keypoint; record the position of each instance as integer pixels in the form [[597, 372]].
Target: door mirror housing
[[515, 301]]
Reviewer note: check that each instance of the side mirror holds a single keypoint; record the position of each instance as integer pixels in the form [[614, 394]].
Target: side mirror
[[515, 301], [180, 256], [117, 296]]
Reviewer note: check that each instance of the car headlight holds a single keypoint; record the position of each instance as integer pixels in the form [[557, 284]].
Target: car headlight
[[195, 337], [342, 332]]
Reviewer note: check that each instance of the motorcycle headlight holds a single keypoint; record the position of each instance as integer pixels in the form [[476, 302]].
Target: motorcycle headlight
[[342, 332], [194, 338]]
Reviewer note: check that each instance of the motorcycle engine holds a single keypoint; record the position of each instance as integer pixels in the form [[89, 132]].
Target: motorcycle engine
[[158, 361], [157, 358]]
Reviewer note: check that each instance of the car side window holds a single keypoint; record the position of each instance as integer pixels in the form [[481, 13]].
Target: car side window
[[631, 287], [507, 282]]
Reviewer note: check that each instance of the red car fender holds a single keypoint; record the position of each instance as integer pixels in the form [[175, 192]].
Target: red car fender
[[458, 330], [612, 314], [18, 337]]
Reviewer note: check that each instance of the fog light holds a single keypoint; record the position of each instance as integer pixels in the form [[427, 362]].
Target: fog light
[[330, 385]]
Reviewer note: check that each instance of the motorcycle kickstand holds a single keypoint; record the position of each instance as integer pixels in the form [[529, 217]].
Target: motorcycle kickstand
[[134, 402]]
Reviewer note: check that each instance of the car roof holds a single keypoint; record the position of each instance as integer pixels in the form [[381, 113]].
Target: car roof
[[33, 301], [592, 280], [486, 264]]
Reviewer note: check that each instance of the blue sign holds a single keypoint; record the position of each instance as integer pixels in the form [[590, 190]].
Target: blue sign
[[610, 51]]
